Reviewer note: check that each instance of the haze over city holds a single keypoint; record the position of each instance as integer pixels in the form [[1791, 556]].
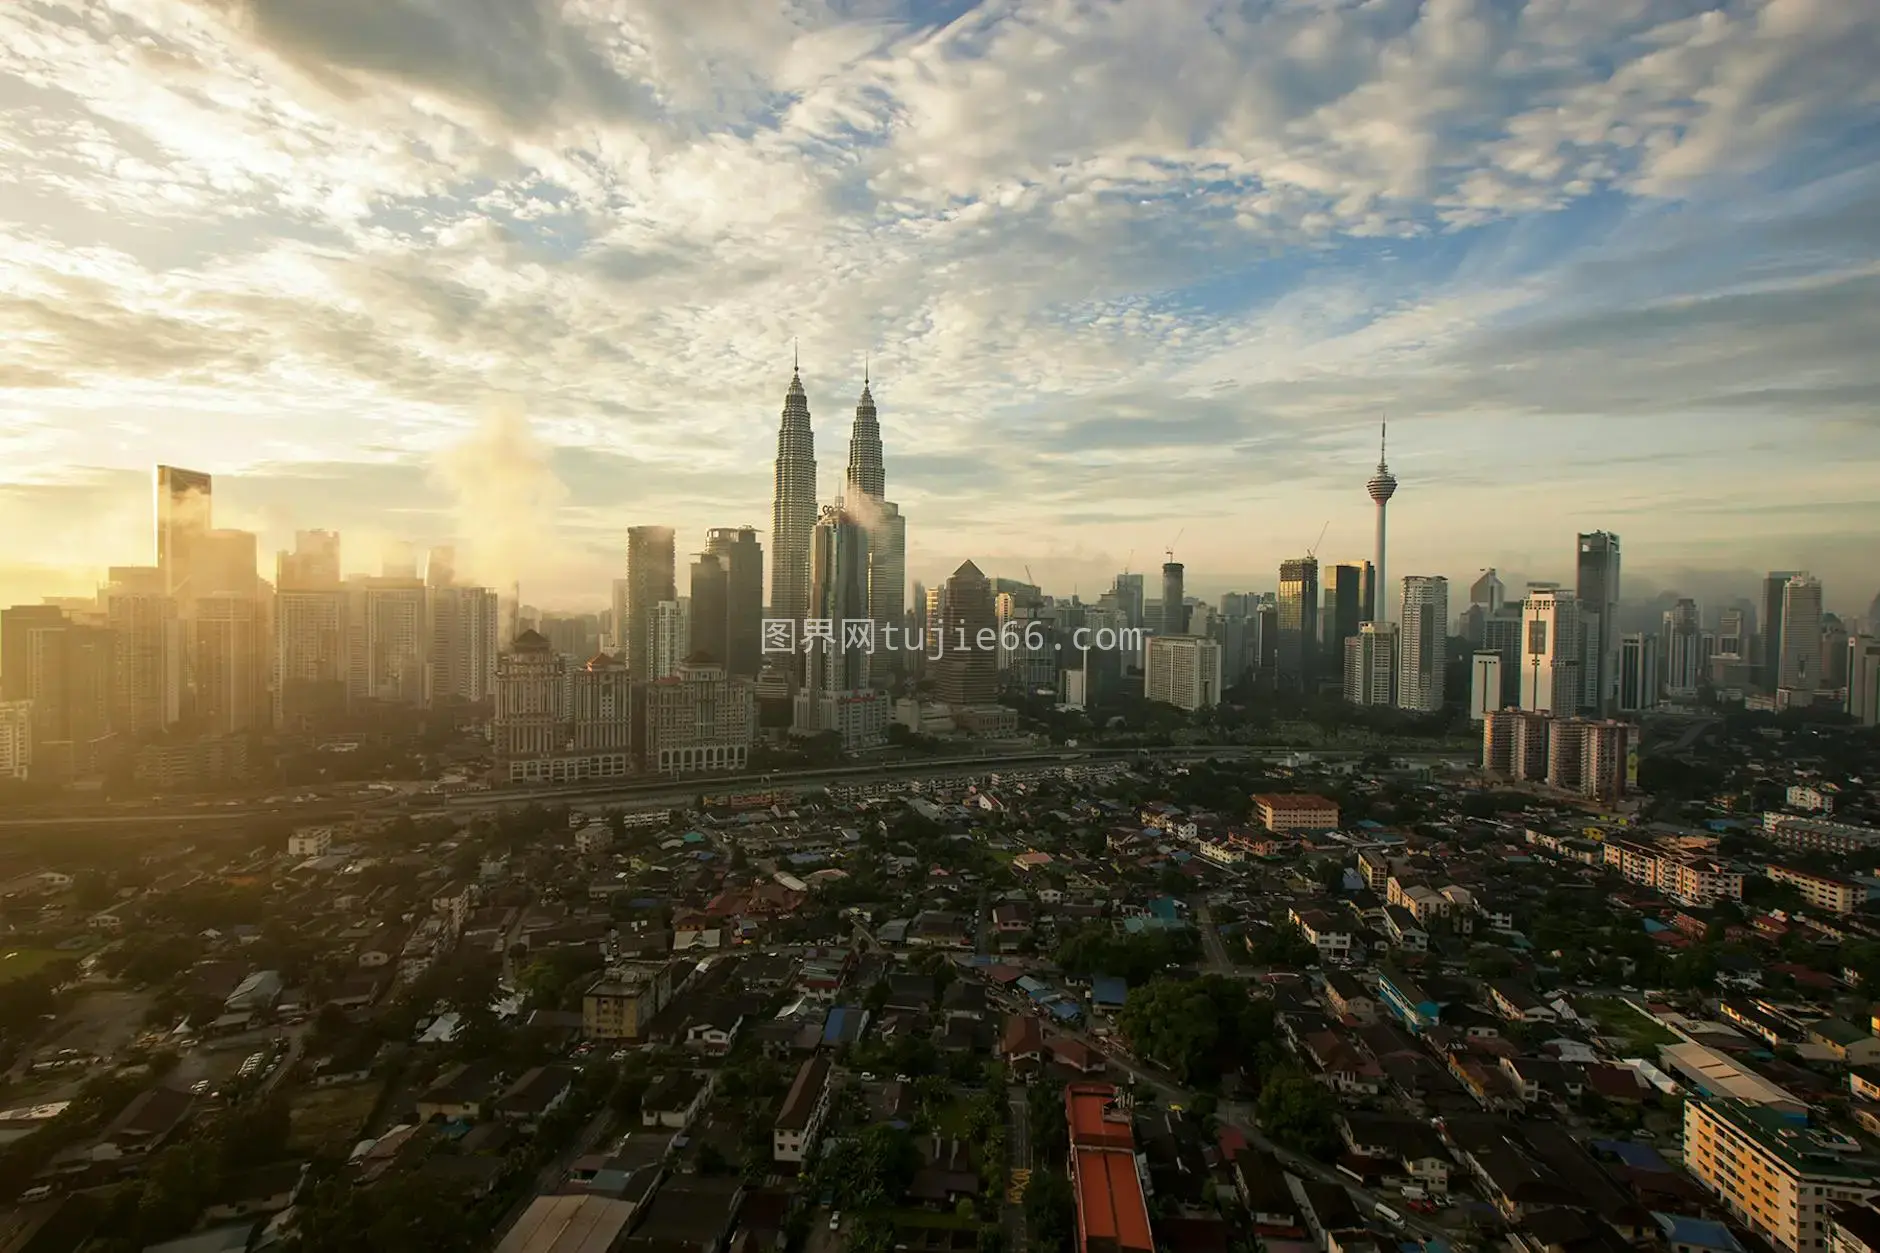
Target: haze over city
[[1602, 265]]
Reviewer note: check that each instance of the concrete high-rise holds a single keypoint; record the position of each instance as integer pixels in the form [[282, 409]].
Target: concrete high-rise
[[1769, 673], [1681, 655], [793, 507], [63, 669], [1129, 599], [1371, 664], [1424, 639], [465, 642], [1598, 591], [1183, 671], [1174, 606], [650, 582], [148, 680], [230, 664], [1484, 684], [312, 565], [738, 550], [1298, 625], [1798, 675], [1381, 487], [1551, 651]]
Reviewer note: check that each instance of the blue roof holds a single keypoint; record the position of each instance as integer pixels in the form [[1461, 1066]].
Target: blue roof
[[1700, 1233], [1637, 1156], [838, 1019], [1108, 990], [1167, 908], [1064, 1010], [1029, 984], [694, 837], [1653, 926]]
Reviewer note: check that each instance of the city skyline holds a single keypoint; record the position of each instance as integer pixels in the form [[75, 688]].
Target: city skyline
[[1631, 294]]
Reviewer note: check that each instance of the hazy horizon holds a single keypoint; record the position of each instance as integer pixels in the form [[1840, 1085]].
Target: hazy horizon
[[1126, 276]]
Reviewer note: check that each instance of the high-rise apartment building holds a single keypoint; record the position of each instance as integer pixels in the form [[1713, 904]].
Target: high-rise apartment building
[[1299, 624], [1515, 744], [793, 507], [311, 654], [312, 565], [1485, 685], [1183, 671], [669, 640], [16, 740], [1551, 651], [1504, 632], [650, 582], [388, 640], [1423, 643], [1371, 664], [64, 670], [1775, 588], [966, 674], [1598, 593], [1174, 600], [230, 664], [1638, 673], [1381, 487], [557, 723], [742, 557], [148, 635], [464, 643], [1732, 634], [1587, 756], [1799, 670], [1681, 649]]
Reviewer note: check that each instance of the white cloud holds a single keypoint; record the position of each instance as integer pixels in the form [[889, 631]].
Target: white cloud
[[1080, 239]]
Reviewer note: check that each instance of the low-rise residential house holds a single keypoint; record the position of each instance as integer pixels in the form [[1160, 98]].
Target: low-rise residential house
[[1348, 998], [1405, 998], [1850, 1045], [1517, 1002], [1404, 930], [1260, 1181], [267, 1190], [804, 1108], [675, 1099], [1411, 1144], [535, 1095], [459, 1094], [1324, 932], [1021, 1046]]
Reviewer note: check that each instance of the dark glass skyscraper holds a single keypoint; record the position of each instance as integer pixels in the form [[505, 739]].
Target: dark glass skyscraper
[[742, 556], [710, 600], [1598, 591], [1174, 608], [650, 579], [1298, 625]]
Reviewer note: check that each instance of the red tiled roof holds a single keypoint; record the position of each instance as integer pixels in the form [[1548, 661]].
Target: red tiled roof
[[1111, 1211]]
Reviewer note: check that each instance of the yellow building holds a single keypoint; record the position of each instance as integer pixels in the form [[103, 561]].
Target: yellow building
[[1770, 1172], [624, 1001]]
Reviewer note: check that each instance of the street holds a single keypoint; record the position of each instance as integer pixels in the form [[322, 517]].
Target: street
[[1213, 951], [550, 1176], [1018, 1160]]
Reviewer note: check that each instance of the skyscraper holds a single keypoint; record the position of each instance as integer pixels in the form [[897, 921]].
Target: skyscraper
[[313, 564], [867, 475], [1484, 684], [867, 482], [966, 675], [793, 507], [1129, 595], [1638, 673], [738, 550], [1799, 673], [1863, 679], [1598, 589], [711, 597], [1345, 597], [1382, 486], [1424, 643], [1174, 607], [1551, 651], [230, 665], [148, 679], [838, 594], [1298, 624], [184, 514], [1775, 584], [1371, 665], [1681, 655], [650, 581], [464, 642]]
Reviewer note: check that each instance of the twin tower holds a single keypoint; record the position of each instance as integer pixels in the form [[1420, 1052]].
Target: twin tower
[[794, 512]]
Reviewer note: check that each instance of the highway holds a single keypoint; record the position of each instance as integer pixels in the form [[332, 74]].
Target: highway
[[656, 792]]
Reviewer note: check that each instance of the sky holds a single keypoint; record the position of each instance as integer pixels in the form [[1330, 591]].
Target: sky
[[1128, 277]]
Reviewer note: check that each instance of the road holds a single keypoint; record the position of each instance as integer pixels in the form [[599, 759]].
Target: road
[[652, 793], [1212, 949], [1240, 1116], [1018, 1160]]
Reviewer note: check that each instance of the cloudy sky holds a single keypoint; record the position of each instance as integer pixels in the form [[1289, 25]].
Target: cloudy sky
[[526, 272]]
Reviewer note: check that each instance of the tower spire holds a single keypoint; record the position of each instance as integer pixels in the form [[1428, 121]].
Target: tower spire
[[796, 355], [1383, 433]]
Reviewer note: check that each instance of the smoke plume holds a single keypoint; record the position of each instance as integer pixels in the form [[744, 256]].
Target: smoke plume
[[506, 496]]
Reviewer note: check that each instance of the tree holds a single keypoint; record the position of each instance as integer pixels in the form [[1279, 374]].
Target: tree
[[1299, 1114], [1197, 1028], [1049, 1217]]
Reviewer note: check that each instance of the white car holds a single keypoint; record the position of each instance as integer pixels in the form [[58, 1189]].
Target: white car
[[835, 1221]]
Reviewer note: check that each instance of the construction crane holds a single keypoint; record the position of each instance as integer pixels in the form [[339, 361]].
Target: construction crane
[[1313, 552], [1128, 559], [1170, 550]]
